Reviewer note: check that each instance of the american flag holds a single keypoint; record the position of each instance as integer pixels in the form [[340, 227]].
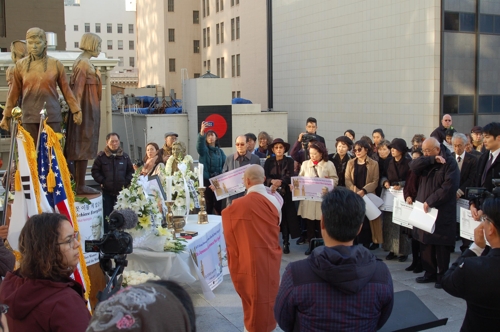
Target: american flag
[[60, 197]]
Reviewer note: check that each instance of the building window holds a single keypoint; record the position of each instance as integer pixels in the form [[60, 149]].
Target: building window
[[171, 65], [489, 24], [3, 21], [131, 45], [77, 45], [233, 65], [237, 65], [203, 5], [222, 69], [110, 28], [233, 94], [204, 37], [208, 7], [170, 5], [75, 27], [238, 27], [217, 33], [208, 36], [196, 75], [171, 35], [120, 28], [218, 67], [459, 104], [221, 32], [221, 5], [120, 63], [120, 44], [489, 104], [208, 65], [98, 27], [87, 27], [237, 2], [232, 29], [196, 17], [130, 28], [232, 3], [131, 61], [204, 64], [110, 44], [196, 46], [216, 6], [465, 22]]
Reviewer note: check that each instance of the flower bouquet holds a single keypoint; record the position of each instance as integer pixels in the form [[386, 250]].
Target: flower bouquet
[[131, 278], [184, 182]]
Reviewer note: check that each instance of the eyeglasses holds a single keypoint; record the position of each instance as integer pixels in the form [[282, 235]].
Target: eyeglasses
[[4, 308], [240, 144], [358, 150], [447, 120], [71, 242]]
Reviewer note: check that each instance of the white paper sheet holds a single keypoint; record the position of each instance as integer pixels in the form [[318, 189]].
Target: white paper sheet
[[461, 203], [401, 212], [422, 220], [372, 212], [388, 195], [468, 224]]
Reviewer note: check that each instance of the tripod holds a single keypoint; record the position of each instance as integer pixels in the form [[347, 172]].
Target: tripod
[[114, 274]]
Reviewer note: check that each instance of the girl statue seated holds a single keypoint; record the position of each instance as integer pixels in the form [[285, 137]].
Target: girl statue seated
[[179, 160]]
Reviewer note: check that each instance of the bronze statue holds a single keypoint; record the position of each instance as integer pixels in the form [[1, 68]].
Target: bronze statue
[[35, 79], [82, 140], [18, 51], [178, 156]]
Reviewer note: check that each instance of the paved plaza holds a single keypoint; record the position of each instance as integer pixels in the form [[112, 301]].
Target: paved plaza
[[225, 313]]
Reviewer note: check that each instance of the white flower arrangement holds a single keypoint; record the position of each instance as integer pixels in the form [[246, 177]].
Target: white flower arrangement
[[131, 278], [178, 184]]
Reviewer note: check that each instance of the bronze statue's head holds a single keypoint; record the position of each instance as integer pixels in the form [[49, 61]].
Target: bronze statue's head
[[37, 42], [18, 50], [178, 150], [91, 42]]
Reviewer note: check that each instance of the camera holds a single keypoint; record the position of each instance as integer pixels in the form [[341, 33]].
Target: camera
[[480, 192], [114, 242], [306, 138], [138, 162]]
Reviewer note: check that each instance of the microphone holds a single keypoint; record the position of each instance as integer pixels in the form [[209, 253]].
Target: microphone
[[123, 219]]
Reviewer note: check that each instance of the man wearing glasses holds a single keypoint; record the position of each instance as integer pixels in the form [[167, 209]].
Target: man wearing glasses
[[240, 158], [474, 278], [440, 132]]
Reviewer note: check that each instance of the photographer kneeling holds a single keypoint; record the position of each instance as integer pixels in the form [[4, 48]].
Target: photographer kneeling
[[40, 294], [474, 278]]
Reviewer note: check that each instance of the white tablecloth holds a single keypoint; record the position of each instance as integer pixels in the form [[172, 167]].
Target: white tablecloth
[[181, 267]]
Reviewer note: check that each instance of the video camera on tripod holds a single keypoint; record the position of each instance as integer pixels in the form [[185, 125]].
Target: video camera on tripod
[[114, 245], [481, 192]]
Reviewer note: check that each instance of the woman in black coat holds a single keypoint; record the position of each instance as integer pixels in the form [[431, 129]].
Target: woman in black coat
[[279, 170], [341, 157]]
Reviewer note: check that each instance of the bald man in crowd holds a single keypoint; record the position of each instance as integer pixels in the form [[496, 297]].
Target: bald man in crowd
[[440, 132], [251, 229]]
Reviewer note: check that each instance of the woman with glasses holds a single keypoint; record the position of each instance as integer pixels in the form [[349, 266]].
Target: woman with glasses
[[264, 140], [474, 275], [41, 295], [361, 176], [320, 167]]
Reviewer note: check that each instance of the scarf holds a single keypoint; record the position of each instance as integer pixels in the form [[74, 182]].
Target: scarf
[[109, 152], [149, 165]]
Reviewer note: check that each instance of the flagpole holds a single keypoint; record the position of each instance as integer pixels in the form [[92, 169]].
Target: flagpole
[[43, 115], [16, 115]]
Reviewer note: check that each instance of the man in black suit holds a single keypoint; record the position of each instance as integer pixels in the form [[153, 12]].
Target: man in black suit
[[488, 166], [474, 278], [467, 164]]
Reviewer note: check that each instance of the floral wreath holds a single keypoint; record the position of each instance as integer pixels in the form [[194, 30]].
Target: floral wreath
[[187, 160]]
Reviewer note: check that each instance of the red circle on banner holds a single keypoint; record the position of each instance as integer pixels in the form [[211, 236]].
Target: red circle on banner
[[219, 124]]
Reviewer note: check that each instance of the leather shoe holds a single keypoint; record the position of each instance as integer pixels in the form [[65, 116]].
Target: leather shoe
[[389, 257], [301, 240], [403, 258], [308, 251], [286, 248], [418, 269], [425, 280], [374, 246]]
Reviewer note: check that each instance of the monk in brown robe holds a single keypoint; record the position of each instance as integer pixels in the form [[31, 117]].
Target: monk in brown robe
[[36, 78], [251, 229]]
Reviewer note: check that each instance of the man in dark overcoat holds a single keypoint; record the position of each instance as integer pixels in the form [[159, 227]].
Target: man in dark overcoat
[[437, 188]]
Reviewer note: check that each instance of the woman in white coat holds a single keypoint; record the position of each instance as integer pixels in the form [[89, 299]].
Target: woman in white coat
[[317, 166]]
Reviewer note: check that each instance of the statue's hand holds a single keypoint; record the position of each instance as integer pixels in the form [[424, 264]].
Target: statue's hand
[[77, 117], [5, 123]]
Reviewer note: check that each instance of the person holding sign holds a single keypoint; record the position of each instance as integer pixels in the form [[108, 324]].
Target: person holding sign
[[437, 188], [320, 167], [474, 278]]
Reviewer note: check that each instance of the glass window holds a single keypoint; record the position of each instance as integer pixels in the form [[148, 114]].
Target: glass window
[[486, 23], [120, 44], [232, 29], [233, 65], [496, 104], [218, 67], [110, 28], [171, 35], [217, 33], [497, 24], [170, 5], [204, 37], [466, 104], [451, 21], [77, 45], [130, 28], [131, 61], [233, 94], [221, 5], [98, 27], [208, 7], [485, 104], [120, 63], [221, 32], [208, 65], [238, 94], [237, 2], [468, 22], [75, 27], [238, 27], [196, 46], [203, 6], [131, 45], [171, 65], [222, 69], [196, 75], [87, 27], [204, 64], [110, 44], [450, 104], [238, 65], [208, 36], [120, 28], [216, 6], [196, 17]]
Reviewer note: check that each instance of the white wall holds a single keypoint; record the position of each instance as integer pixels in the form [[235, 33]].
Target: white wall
[[357, 65]]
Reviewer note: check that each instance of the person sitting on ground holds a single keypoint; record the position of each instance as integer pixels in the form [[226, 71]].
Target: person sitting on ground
[[474, 278], [323, 292], [142, 308], [41, 295]]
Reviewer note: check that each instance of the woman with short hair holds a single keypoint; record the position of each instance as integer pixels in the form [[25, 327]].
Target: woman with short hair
[[264, 140], [41, 295], [341, 157]]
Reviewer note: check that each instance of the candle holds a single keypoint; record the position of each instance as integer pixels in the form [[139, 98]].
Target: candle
[[169, 189], [200, 175]]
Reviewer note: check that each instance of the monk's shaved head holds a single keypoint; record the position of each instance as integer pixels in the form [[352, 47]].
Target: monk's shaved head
[[254, 175]]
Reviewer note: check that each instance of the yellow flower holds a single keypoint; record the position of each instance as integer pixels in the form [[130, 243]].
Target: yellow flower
[[145, 221], [162, 231]]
